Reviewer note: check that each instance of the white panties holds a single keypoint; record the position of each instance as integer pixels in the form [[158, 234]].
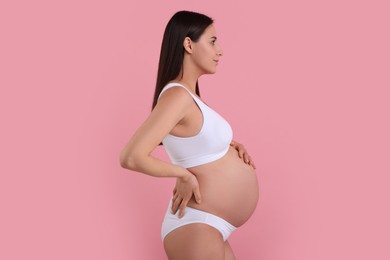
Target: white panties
[[172, 221]]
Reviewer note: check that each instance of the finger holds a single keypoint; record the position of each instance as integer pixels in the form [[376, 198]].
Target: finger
[[182, 208], [197, 194], [235, 145], [175, 205], [246, 158], [174, 190], [252, 164], [174, 197], [241, 152]]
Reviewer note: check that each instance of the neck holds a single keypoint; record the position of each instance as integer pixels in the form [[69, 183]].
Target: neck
[[191, 74]]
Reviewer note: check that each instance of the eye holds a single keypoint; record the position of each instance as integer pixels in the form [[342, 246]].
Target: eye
[[213, 42]]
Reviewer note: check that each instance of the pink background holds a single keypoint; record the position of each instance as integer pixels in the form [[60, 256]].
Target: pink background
[[305, 87]]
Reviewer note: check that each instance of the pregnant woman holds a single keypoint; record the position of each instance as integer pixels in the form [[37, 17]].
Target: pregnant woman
[[216, 187]]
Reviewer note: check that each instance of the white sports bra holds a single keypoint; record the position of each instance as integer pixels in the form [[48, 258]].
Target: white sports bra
[[211, 143]]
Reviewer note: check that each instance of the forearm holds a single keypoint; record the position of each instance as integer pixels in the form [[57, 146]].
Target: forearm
[[154, 167]]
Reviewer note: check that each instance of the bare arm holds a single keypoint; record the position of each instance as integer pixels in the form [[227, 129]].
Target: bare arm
[[172, 106]]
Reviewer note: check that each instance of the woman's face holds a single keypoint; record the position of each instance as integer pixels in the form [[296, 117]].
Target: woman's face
[[206, 51]]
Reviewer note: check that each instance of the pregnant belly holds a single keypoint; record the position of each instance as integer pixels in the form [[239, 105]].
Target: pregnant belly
[[229, 188]]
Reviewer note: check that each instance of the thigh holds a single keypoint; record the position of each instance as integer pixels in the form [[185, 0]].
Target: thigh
[[229, 255], [193, 242]]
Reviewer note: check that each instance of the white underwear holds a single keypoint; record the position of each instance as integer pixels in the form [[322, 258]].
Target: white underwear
[[172, 221]]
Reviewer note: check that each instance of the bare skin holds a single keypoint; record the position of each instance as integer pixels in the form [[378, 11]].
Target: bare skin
[[226, 187]]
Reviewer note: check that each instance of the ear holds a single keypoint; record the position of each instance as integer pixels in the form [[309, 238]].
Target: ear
[[187, 44]]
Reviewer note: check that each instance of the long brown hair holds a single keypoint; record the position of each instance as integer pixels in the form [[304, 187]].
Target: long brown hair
[[182, 24]]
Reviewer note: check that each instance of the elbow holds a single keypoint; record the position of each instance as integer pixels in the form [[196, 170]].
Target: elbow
[[127, 161]]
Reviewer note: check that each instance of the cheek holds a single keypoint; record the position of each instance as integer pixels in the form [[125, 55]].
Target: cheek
[[204, 55]]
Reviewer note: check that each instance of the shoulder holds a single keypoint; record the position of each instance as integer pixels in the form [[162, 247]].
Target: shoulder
[[173, 104], [175, 95]]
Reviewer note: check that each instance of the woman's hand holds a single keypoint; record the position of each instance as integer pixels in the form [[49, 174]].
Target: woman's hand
[[243, 154], [182, 193]]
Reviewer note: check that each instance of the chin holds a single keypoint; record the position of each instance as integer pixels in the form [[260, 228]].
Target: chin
[[212, 71]]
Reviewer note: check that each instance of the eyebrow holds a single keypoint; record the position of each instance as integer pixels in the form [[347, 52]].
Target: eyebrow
[[213, 37]]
